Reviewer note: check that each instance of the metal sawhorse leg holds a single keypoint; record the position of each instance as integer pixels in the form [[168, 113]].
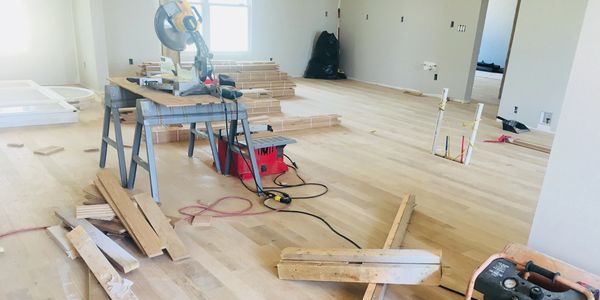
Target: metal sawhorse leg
[[114, 99], [150, 114]]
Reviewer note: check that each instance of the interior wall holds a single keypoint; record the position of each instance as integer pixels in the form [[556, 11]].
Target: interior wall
[[286, 30], [129, 27], [91, 43], [290, 44], [496, 33], [565, 224], [388, 51], [38, 42], [541, 58]]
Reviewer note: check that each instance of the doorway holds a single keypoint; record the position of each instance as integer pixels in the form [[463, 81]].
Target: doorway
[[494, 51]]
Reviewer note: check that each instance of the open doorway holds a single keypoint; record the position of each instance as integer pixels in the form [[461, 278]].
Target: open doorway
[[494, 51]]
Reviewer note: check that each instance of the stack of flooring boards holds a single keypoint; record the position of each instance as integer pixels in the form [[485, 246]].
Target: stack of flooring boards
[[264, 76], [261, 82], [110, 210]]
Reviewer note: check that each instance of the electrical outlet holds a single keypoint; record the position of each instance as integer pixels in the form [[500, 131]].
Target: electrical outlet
[[546, 118], [429, 66], [402, 19], [462, 28], [270, 59], [452, 24], [367, 17], [131, 61], [516, 111], [327, 14], [435, 77]]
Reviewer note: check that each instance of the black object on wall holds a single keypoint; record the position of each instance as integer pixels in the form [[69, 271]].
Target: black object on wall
[[325, 60]]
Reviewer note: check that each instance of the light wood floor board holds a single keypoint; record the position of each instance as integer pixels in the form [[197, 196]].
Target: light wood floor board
[[380, 152]]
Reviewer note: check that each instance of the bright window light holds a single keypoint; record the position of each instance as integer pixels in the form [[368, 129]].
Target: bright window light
[[228, 28], [14, 28]]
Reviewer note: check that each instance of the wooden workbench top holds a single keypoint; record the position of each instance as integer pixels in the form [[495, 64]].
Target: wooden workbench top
[[161, 97]]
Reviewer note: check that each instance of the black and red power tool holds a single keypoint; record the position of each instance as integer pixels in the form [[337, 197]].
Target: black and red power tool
[[501, 278]]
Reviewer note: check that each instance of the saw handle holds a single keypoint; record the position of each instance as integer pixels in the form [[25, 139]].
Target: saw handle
[[533, 268]]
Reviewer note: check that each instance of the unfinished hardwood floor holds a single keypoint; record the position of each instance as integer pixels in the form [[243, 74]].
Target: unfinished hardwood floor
[[380, 153]]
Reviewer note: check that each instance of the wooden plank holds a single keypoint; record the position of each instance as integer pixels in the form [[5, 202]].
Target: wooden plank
[[107, 276], [15, 145], [130, 216], [112, 227], [97, 211], [405, 274], [392, 256], [162, 226], [48, 150], [531, 146], [59, 235], [160, 97], [93, 194], [393, 240], [95, 290], [122, 259]]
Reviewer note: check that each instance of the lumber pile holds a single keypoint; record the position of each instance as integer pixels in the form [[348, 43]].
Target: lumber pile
[[170, 134], [248, 75], [377, 267]]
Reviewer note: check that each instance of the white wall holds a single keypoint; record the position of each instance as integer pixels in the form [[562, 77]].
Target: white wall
[[496, 33], [284, 30], [541, 59], [130, 34], [91, 43], [38, 42], [566, 220], [386, 51]]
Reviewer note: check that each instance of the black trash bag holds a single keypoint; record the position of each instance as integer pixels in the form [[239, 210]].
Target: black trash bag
[[325, 60]]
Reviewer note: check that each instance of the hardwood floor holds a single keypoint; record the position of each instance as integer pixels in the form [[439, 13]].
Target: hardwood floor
[[381, 151]]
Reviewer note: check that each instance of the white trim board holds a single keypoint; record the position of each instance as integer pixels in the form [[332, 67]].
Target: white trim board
[[26, 103]]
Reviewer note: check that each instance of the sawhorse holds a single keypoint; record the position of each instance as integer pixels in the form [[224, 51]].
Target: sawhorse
[[114, 99], [150, 114]]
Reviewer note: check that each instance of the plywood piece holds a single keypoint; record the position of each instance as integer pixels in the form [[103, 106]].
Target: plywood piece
[[93, 194], [48, 150], [15, 145], [130, 216], [393, 240], [202, 221], [59, 235], [404, 274], [162, 226], [106, 275], [122, 259], [160, 97], [95, 290], [391, 256], [97, 211], [112, 227]]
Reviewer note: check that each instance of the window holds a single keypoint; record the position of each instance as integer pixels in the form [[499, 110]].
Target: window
[[225, 25]]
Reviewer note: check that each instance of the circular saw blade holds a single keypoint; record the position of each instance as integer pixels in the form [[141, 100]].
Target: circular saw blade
[[167, 34]]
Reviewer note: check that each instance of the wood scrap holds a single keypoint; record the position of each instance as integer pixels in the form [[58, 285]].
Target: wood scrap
[[407, 267], [133, 220], [528, 145], [112, 227], [91, 150], [115, 286], [93, 194], [95, 290], [162, 227], [122, 259], [59, 234], [393, 240], [97, 211], [15, 145], [413, 93], [48, 150]]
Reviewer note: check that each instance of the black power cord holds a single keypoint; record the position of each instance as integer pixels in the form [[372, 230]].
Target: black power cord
[[273, 193]]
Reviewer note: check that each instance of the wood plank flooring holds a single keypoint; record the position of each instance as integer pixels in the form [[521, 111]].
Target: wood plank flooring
[[380, 153]]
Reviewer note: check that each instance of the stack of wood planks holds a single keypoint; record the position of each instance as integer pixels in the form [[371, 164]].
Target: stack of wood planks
[[248, 75], [109, 209], [165, 134]]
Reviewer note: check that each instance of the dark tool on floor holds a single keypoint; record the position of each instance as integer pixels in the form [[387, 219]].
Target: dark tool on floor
[[269, 156], [512, 125], [500, 278]]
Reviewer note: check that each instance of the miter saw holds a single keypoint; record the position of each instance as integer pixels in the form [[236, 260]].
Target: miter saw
[[177, 25]]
